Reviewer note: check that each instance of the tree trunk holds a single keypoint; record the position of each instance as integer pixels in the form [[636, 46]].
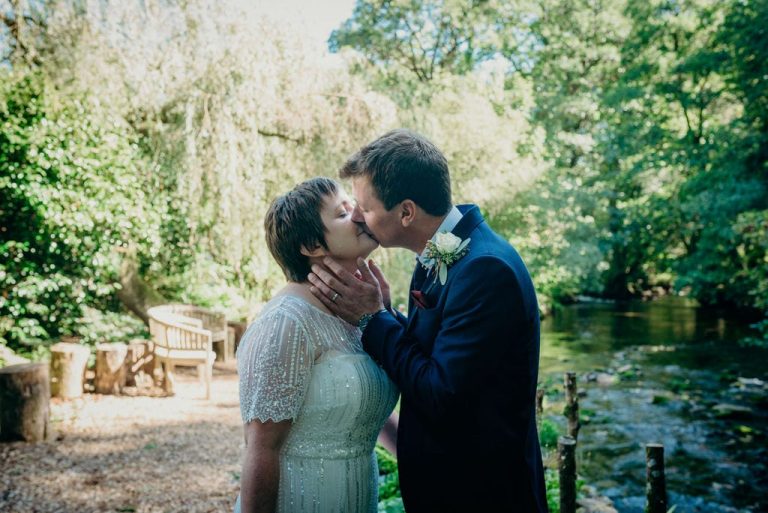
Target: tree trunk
[[110, 368], [68, 361], [24, 402], [135, 294]]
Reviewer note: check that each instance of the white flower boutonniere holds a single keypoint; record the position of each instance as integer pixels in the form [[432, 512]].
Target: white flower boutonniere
[[444, 251]]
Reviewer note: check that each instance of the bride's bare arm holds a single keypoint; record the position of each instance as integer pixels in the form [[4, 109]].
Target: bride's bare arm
[[261, 465], [388, 434]]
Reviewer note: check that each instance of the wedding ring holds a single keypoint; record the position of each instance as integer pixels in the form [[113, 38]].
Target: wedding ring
[[335, 297]]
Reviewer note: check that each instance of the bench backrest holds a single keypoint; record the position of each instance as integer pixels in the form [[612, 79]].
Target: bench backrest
[[215, 322], [173, 333]]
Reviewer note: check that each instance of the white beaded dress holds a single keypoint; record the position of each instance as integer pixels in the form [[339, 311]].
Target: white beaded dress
[[298, 362]]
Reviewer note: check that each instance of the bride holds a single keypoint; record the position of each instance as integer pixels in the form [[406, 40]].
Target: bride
[[312, 401]]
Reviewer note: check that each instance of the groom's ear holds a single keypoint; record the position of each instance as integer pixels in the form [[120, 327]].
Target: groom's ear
[[407, 212], [318, 251]]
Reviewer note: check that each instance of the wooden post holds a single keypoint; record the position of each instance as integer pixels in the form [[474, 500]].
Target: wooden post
[[566, 457], [223, 348], [25, 393], [572, 405], [539, 402], [656, 485], [239, 327], [110, 368], [68, 361]]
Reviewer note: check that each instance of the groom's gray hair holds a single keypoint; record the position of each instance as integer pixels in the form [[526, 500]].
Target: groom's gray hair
[[401, 165]]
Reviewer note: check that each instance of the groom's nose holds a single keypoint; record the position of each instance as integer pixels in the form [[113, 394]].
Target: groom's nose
[[357, 215]]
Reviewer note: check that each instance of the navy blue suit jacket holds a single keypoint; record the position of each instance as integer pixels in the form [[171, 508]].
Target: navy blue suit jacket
[[467, 369]]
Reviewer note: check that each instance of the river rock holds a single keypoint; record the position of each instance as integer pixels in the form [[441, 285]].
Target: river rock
[[596, 505], [605, 380], [725, 410], [751, 382]]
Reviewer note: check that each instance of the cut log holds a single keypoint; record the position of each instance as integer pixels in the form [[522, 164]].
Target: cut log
[[68, 361], [138, 362], [110, 368], [24, 402]]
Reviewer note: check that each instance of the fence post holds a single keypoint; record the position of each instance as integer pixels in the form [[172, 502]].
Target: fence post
[[656, 485], [539, 402], [566, 458], [572, 405]]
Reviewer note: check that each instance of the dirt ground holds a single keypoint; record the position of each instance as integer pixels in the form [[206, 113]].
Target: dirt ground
[[138, 454]]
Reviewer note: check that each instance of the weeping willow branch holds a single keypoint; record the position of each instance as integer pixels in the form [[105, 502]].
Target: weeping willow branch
[[265, 133]]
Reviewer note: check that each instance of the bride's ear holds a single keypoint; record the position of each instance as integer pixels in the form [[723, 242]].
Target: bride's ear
[[407, 212], [317, 251]]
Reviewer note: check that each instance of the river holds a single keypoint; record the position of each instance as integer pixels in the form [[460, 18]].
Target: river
[[664, 371]]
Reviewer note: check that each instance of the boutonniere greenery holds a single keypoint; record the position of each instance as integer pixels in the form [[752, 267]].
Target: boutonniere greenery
[[442, 252]]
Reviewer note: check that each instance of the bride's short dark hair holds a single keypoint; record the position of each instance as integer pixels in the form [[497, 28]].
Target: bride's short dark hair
[[293, 220], [404, 165]]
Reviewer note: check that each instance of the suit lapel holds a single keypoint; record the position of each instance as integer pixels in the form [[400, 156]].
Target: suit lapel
[[471, 218]]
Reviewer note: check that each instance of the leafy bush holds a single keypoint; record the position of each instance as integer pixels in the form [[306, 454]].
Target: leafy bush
[[389, 483], [552, 485], [73, 199], [96, 326], [548, 433]]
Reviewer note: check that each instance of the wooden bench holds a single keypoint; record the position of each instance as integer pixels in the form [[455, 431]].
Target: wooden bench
[[181, 340], [215, 322]]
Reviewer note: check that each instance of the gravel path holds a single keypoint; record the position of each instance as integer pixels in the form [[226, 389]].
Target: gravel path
[[132, 454]]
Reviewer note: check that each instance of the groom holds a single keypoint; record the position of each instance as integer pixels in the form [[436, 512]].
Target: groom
[[466, 358]]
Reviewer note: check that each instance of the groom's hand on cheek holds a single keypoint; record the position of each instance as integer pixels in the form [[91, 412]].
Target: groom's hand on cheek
[[346, 295]]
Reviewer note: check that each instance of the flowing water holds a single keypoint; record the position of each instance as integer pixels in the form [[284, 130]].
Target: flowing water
[[670, 372]]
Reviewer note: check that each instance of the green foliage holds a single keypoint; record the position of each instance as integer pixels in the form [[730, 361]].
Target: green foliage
[[761, 340], [548, 434], [72, 184], [387, 463], [392, 505], [620, 146], [751, 245], [98, 326], [552, 485], [389, 482], [424, 37]]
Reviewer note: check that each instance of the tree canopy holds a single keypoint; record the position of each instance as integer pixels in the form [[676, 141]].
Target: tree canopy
[[621, 146]]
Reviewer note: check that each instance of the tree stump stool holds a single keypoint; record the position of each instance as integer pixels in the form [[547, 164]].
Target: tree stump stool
[[25, 392], [68, 361], [110, 368], [138, 364]]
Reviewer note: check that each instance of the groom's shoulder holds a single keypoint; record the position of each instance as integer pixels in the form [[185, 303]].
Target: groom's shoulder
[[490, 251], [489, 243]]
